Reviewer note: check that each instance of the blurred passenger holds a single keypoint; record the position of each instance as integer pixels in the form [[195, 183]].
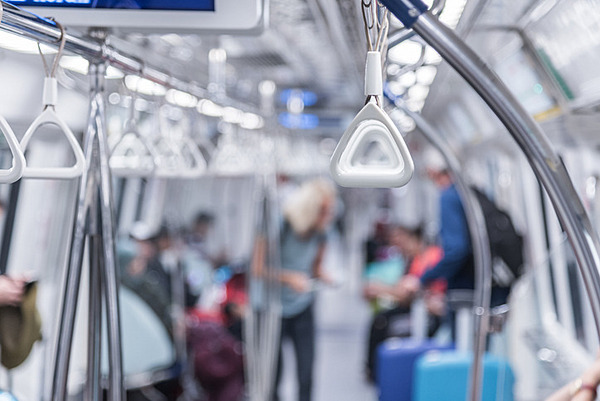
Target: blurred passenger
[[385, 265], [307, 216], [457, 264], [396, 322], [145, 273], [584, 388]]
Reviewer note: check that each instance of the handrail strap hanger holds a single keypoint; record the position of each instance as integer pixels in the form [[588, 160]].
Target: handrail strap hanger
[[372, 126], [49, 116], [199, 165], [15, 172], [132, 147]]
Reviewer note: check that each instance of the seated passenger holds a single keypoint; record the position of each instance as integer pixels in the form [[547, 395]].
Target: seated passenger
[[145, 273], [384, 264], [396, 321]]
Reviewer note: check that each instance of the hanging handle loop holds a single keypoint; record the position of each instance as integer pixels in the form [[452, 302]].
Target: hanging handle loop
[[132, 156], [49, 117], [18, 163], [372, 152]]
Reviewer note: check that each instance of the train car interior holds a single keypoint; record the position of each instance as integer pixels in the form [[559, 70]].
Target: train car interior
[[328, 200]]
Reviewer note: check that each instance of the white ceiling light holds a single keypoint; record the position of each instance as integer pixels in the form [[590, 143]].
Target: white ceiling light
[[252, 121], [452, 12], [407, 79], [22, 45], [81, 66], [181, 99], [405, 53], [418, 92], [432, 56], [232, 115], [396, 88], [426, 74], [209, 108], [144, 86]]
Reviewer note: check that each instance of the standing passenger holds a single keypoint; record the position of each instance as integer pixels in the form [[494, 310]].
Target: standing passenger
[[307, 215], [457, 264]]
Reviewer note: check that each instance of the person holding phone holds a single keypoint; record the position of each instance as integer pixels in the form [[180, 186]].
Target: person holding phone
[[11, 290]]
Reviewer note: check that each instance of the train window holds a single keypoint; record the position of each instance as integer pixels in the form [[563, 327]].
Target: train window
[[554, 35]]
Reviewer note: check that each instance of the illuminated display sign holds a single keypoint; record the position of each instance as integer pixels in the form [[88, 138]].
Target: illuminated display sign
[[155, 16], [204, 5]]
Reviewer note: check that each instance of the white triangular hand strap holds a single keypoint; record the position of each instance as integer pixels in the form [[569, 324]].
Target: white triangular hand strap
[[131, 156], [350, 165], [197, 163], [47, 117], [18, 164]]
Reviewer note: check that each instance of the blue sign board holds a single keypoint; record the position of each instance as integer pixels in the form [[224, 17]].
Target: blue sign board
[[194, 5]]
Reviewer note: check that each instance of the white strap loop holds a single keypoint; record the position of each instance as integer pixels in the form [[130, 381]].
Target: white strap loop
[[131, 156], [373, 75], [18, 163], [49, 117], [350, 165]]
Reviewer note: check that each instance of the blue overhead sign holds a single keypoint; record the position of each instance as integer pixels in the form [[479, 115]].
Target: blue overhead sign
[[194, 5]]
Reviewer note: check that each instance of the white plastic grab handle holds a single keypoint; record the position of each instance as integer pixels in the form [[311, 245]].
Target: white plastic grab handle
[[199, 164], [132, 157], [18, 164], [371, 126], [49, 116], [169, 160]]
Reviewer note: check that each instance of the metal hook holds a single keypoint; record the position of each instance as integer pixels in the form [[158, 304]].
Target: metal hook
[[63, 39]]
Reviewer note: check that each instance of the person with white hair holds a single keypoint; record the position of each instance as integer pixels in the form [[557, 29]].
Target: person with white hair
[[307, 215]]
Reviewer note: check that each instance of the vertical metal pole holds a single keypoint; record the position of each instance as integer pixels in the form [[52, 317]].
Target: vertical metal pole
[[110, 279], [74, 269], [479, 236], [94, 375]]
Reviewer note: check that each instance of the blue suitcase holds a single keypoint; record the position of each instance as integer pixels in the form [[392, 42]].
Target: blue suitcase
[[445, 375], [395, 362]]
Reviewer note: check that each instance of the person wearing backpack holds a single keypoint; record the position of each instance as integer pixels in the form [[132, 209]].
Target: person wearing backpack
[[457, 264]]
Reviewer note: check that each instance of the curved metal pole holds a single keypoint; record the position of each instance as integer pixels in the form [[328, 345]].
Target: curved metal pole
[[544, 161], [480, 242]]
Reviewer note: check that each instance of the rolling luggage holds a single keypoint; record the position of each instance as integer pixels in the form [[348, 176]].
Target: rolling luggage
[[395, 365], [445, 376]]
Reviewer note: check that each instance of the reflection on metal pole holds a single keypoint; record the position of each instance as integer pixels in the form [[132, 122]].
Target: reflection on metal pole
[[94, 221], [479, 236], [110, 284]]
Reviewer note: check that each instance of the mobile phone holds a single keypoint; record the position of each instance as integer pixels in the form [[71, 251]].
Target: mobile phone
[[29, 285]]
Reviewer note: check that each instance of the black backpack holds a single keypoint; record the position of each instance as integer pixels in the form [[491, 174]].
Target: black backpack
[[506, 244]]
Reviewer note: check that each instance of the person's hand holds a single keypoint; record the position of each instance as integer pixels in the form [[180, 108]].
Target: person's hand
[[373, 290], [436, 304], [299, 282], [590, 377], [11, 290]]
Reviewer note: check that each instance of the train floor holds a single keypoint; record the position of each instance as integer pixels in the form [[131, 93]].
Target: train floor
[[342, 322]]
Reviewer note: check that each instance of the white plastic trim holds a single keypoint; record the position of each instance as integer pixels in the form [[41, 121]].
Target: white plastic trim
[[18, 165], [373, 75], [371, 124], [50, 94], [49, 116]]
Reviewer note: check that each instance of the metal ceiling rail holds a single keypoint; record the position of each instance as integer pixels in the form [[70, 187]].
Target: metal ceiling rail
[[45, 31]]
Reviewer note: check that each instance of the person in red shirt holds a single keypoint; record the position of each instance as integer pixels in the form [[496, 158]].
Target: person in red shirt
[[420, 257]]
